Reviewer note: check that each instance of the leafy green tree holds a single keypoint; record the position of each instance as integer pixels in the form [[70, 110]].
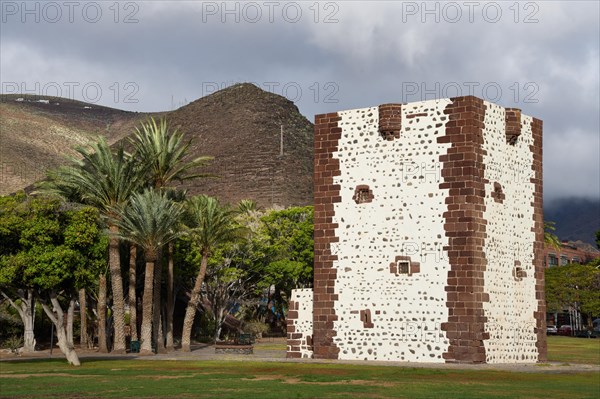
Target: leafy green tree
[[60, 252], [233, 274], [598, 239], [12, 282], [290, 256], [209, 224], [105, 179], [226, 286], [150, 220], [575, 286]]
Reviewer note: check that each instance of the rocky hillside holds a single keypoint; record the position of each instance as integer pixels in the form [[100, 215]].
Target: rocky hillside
[[39, 133], [239, 126]]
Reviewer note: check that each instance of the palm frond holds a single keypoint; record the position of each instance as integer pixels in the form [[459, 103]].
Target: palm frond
[[210, 223], [102, 177], [150, 220], [165, 151]]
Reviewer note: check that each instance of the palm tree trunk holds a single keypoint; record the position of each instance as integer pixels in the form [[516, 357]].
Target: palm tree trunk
[[190, 312], [160, 337], [157, 335], [146, 331], [170, 300], [132, 295], [117, 290], [102, 345], [83, 337]]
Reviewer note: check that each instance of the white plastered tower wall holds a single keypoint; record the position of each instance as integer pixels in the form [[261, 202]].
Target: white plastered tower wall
[[509, 247], [404, 218]]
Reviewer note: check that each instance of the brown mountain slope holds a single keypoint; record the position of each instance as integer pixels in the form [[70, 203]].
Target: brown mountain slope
[[239, 126], [36, 136]]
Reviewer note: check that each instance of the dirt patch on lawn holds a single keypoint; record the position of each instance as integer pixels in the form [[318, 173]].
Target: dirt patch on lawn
[[7, 375], [294, 380]]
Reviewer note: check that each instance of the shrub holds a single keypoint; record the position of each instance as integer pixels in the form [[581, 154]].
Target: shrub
[[13, 343], [256, 327]]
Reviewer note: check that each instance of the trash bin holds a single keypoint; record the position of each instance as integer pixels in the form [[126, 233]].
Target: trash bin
[[135, 346]]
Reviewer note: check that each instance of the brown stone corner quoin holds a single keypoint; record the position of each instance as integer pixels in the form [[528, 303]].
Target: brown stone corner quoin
[[465, 227], [326, 193], [512, 123], [538, 249], [293, 340]]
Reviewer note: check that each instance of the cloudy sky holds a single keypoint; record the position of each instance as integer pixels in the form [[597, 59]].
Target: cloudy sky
[[540, 56]]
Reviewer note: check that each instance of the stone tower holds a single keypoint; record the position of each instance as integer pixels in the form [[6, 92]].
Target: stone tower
[[428, 236]]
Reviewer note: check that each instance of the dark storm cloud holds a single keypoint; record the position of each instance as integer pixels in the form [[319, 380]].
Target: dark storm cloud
[[538, 56]]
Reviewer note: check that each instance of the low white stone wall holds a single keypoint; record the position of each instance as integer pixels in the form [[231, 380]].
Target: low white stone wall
[[300, 324]]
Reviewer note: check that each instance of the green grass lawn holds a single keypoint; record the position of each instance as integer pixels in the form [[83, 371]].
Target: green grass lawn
[[220, 379], [573, 350]]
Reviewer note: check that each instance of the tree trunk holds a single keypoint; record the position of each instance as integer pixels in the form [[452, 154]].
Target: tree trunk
[[28, 324], [190, 312], [219, 319], [28, 306], [26, 310], [157, 335], [160, 337], [132, 294], [102, 344], [83, 336], [146, 330], [57, 317], [117, 291], [69, 329], [170, 300]]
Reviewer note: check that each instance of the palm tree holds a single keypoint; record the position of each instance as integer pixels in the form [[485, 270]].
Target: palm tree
[[151, 221], [105, 179], [210, 224], [247, 206], [165, 152], [550, 239]]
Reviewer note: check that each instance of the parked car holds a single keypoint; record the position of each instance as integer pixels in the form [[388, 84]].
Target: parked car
[[586, 334], [551, 330], [565, 329]]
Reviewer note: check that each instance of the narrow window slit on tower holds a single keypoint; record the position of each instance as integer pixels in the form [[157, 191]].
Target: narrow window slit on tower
[[498, 193], [518, 272], [365, 317], [403, 265], [363, 194]]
